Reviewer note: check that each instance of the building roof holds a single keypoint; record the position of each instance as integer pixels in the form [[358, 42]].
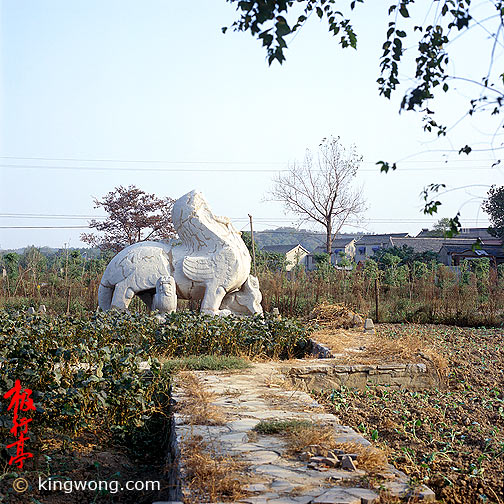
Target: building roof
[[378, 239], [421, 245], [282, 249], [485, 250], [481, 233], [338, 243]]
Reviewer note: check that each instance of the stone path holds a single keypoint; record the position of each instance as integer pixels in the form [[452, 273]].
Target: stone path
[[248, 396]]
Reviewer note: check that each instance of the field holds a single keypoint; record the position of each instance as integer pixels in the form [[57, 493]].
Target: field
[[452, 438], [101, 390], [101, 415]]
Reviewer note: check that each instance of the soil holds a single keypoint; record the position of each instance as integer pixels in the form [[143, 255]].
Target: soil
[[452, 438]]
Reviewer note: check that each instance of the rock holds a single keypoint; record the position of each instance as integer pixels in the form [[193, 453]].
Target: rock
[[369, 326], [335, 453], [347, 463], [31, 310], [42, 309], [317, 450], [330, 461], [426, 494], [353, 456]]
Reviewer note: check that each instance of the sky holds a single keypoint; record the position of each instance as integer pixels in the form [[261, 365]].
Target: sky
[[100, 94]]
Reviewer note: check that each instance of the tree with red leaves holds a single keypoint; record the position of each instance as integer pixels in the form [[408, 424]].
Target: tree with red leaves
[[133, 216]]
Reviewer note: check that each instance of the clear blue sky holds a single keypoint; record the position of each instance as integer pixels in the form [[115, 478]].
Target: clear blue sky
[[157, 82]]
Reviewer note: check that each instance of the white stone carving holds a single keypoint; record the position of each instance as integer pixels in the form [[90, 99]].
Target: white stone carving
[[246, 301], [208, 262], [165, 298]]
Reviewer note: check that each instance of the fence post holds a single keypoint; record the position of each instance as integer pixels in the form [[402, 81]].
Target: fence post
[[377, 299]]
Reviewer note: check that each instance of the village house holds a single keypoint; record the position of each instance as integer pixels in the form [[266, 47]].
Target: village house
[[453, 255], [367, 245], [294, 254], [341, 247]]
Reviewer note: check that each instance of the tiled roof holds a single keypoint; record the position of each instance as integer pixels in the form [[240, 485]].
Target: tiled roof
[[378, 239], [493, 250], [339, 243], [464, 233], [281, 249], [430, 244]]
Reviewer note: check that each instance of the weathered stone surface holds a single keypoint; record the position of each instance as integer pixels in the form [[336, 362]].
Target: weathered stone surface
[[208, 262], [336, 496], [234, 438], [262, 456], [254, 500], [282, 486], [303, 499], [255, 487], [284, 500], [352, 439], [279, 472], [364, 494], [245, 424], [323, 375], [205, 431]]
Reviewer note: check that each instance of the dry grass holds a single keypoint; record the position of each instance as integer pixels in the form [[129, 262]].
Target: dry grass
[[377, 349], [305, 435], [197, 405], [340, 340], [408, 348], [335, 315], [369, 458], [210, 476]]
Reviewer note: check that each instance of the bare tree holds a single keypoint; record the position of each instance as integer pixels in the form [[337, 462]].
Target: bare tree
[[134, 216], [321, 188]]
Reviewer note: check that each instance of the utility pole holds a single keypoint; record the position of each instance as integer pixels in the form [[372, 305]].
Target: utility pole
[[66, 280], [253, 245]]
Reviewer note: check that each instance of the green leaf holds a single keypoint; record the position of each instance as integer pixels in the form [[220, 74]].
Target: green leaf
[[385, 166]]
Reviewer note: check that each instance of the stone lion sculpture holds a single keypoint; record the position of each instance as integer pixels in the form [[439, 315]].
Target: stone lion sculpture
[[209, 262]]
